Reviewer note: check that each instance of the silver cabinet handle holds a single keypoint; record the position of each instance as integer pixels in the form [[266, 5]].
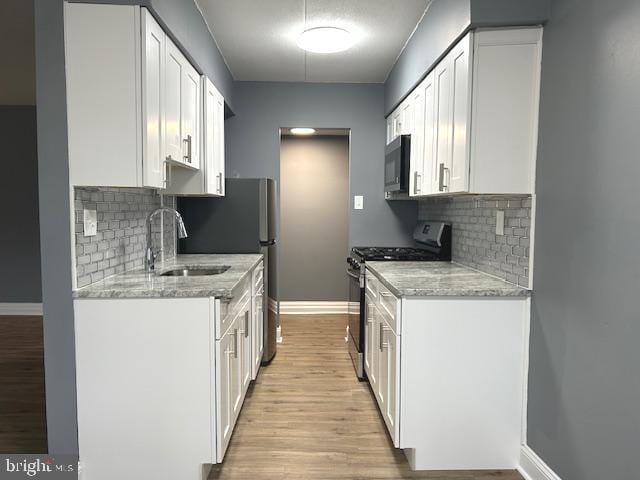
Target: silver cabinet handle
[[416, 182], [441, 185], [235, 343], [383, 344], [246, 324], [187, 157], [219, 182]]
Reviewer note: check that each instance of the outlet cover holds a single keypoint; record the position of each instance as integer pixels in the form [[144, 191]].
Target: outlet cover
[[90, 223], [500, 222], [358, 202]]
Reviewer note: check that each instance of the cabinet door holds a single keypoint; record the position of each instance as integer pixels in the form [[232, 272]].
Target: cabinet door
[[172, 102], [224, 391], [429, 136], [406, 117], [190, 119], [257, 333], [213, 141], [389, 129], [383, 365], [396, 123], [246, 340], [417, 141], [219, 143], [458, 180], [391, 356], [443, 94], [368, 338], [236, 370], [152, 102]]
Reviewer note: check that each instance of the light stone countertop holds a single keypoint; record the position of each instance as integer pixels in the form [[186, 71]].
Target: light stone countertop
[[441, 279], [140, 284]]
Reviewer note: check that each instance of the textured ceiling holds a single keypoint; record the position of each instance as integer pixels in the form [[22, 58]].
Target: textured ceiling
[[258, 38]]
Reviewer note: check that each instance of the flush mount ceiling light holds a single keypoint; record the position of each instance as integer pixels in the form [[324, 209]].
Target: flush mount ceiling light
[[325, 40], [303, 131]]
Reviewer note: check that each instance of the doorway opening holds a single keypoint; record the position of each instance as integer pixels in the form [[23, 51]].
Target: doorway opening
[[314, 221]]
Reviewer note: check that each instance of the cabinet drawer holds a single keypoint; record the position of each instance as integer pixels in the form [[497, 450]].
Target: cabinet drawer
[[390, 306], [372, 285], [228, 309]]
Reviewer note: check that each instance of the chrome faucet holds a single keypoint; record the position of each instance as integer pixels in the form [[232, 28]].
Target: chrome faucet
[[151, 255]]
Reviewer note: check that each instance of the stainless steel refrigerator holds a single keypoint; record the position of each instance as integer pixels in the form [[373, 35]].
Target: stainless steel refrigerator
[[244, 221]]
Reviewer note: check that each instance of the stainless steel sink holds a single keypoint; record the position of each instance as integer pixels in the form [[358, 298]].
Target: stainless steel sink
[[195, 271]]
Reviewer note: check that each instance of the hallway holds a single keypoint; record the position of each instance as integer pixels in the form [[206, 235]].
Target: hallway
[[307, 417]]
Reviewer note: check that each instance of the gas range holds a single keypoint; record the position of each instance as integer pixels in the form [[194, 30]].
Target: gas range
[[393, 254], [433, 240]]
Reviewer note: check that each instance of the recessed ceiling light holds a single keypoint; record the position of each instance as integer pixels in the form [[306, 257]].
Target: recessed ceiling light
[[325, 40], [303, 131]]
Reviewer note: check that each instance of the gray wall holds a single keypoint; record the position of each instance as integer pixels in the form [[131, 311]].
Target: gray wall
[[20, 241], [584, 388], [55, 234], [443, 24], [183, 21], [314, 206], [253, 146]]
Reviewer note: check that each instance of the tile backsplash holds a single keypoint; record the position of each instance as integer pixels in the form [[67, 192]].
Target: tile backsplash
[[120, 241], [475, 242]]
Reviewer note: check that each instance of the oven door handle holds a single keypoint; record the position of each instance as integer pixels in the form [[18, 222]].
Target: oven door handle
[[353, 275]]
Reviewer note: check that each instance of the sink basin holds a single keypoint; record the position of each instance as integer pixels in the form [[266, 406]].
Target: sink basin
[[195, 271]]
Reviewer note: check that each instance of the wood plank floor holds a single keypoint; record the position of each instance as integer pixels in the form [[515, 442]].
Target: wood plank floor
[[22, 405], [307, 417]]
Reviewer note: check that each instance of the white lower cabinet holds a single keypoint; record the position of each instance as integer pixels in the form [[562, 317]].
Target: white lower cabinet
[[257, 335], [448, 374], [157, 379]]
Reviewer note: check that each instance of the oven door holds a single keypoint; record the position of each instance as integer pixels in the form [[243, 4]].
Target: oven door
[[355, 327]]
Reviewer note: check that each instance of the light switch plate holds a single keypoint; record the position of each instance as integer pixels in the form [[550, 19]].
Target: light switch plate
[[358, 202], [90, 223], [500, 222]]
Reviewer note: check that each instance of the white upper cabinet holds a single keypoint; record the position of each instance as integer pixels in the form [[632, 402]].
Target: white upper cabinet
[[506, 97], [213, 142], [458, 160], [191, 103], [478, 132], [136, 105], [104, 110], [174, 75], [208, 179], [417, 142], [442, 123], [183, 98], [152, 102]]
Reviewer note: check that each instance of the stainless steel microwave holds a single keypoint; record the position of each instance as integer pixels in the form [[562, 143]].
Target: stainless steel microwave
[[396, 164]]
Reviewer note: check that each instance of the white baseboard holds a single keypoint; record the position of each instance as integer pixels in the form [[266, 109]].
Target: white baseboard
[[21, 309], [532, 467], [317, 308]]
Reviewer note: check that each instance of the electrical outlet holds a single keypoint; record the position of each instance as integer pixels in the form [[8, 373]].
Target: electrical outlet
[[500, 222], [358, 202], [90, 223]]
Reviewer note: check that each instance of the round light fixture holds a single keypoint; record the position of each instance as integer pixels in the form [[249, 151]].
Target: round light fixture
[[325, 40], [303, 131]]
